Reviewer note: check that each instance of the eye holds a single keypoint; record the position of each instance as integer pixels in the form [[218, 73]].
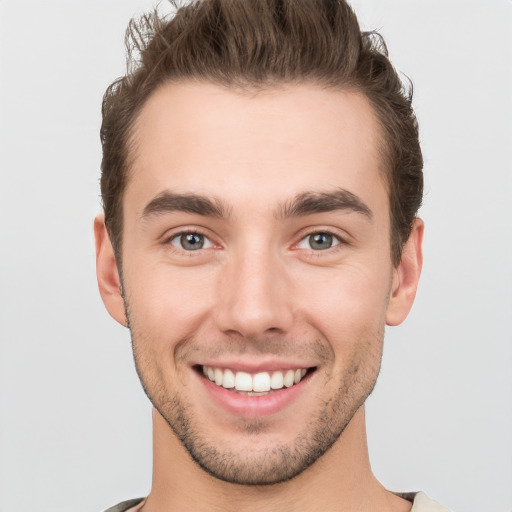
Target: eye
[[191, 241], [319, 241]]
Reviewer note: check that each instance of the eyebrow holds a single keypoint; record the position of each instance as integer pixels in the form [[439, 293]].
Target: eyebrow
[[306, 203], [309, 203], [168, 202]]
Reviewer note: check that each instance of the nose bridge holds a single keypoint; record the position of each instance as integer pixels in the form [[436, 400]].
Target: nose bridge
[[253, 297]]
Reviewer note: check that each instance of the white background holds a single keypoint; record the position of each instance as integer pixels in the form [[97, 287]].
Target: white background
[[74, 424]]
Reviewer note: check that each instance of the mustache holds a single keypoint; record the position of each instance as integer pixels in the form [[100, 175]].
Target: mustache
[[268, 345]]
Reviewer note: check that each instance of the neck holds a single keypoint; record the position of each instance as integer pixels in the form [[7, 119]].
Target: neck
[[341, 480]]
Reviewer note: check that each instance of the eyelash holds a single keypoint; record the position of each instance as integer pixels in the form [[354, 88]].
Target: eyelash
[[169, 239], [340, 242]]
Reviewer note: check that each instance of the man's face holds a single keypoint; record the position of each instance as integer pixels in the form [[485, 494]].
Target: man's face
[[256, 242]]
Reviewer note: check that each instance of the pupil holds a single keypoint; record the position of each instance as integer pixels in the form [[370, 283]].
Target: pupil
[[321, 241], [192, 241]]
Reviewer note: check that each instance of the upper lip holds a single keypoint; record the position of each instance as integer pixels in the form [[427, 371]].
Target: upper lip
[[254, 366]]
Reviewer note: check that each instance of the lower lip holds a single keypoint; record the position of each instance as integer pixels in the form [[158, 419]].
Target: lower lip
[[254, 406]]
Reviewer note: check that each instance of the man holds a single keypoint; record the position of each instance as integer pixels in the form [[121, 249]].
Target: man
[[261, 178]]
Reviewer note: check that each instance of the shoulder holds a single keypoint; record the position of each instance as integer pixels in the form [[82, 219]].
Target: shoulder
[[124, 506], [422, 503]]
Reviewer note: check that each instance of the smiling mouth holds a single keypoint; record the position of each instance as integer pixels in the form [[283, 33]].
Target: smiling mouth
[[257, 384]]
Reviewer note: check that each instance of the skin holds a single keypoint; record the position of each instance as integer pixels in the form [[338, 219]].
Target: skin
[[259, 292]]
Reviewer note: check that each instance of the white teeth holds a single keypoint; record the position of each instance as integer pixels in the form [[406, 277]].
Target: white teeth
[[218, 376], [258, 383], [261, 382], [243, 381], [289, 378], [228, 381], [276, 382]]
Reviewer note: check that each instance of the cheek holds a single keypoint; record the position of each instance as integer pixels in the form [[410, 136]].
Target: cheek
[[166, 303], [347, 305]]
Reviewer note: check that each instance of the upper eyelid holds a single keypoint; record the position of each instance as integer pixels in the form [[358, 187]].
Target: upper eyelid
[[174, 232], [179, 235], [341, 235], [338, 239]]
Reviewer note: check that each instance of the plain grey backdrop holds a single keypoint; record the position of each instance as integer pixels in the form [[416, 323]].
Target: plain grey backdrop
[[74, 423]]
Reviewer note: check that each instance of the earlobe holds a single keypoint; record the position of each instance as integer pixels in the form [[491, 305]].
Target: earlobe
[[109, 282], [406, 276]]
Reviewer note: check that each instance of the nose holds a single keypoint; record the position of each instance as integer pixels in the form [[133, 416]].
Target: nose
[[254, 297]]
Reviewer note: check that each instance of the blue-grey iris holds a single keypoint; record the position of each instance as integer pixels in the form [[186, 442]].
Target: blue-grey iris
[[320, 241], [192, 241]]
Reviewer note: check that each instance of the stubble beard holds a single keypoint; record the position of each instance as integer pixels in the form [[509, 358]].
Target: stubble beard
[[271, 465]]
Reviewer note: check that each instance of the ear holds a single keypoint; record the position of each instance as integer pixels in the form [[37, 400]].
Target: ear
[[406, 276], [107, 272]]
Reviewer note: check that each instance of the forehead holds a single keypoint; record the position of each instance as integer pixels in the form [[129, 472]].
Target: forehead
[[238, 145]]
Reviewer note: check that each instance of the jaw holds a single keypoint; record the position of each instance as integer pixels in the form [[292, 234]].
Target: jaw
[[257, 440], [336, 476]]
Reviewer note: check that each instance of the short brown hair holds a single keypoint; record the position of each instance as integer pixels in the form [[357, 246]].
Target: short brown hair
[[257, 44]]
